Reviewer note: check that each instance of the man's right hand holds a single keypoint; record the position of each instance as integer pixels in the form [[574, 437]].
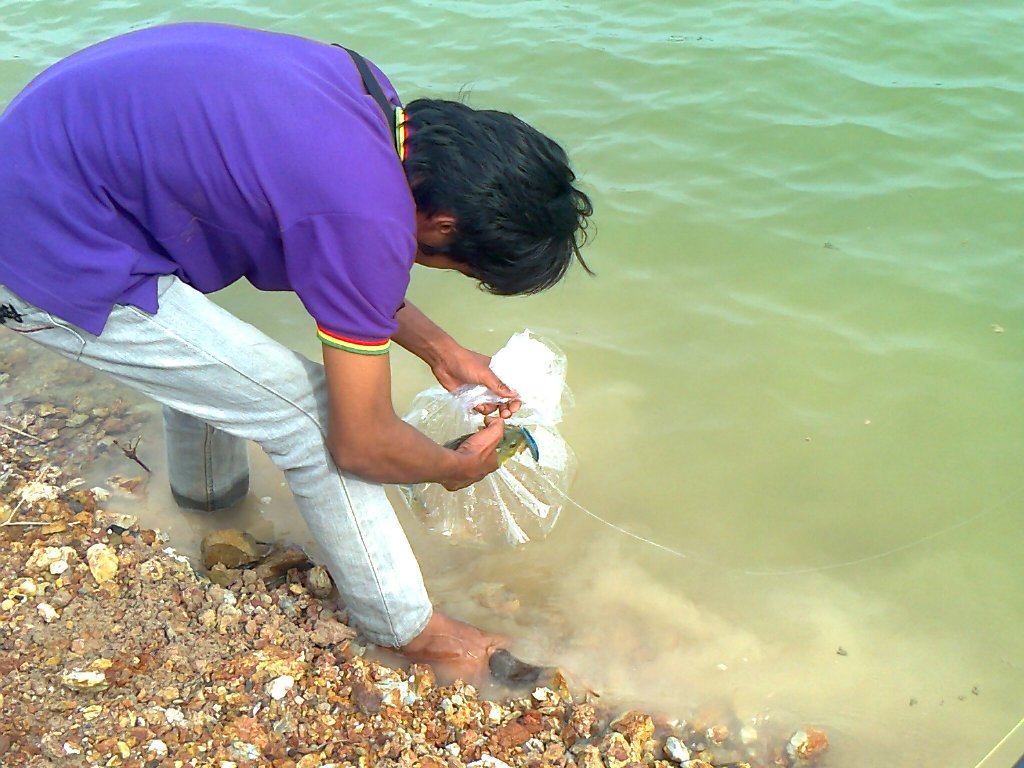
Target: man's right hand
[[478, 457], [454, 648]]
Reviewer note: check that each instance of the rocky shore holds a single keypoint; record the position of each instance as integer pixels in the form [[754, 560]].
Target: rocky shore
[[114, 651]]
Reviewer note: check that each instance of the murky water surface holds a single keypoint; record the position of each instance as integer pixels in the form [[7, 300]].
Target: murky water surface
[[801, 364]]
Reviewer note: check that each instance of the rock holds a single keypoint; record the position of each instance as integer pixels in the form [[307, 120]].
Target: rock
[[330, 632], [106, 519], [582, 719], [52, 559], [423, 679], [590, 757], [319, 581], [278, 687], [152, 570], [47, 611], [676, 750], [808, 744], [718, 734], [85, 680], [637, 727], [615, 750], [230, 548], [174, 716], [506, 668], [222, 576], [157, 748], [280, 561], [368, 698], [102, 562], [61, 598]]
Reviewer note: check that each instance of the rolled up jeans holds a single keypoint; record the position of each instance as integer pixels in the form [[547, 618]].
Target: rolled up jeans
[[221, 382]]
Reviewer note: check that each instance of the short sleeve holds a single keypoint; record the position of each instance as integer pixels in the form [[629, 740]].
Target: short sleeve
[[351, 273]]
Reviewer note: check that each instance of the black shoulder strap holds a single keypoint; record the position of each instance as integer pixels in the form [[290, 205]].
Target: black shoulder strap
[[373, 87]]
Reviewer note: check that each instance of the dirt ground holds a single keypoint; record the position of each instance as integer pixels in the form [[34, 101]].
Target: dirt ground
[[114, 651]]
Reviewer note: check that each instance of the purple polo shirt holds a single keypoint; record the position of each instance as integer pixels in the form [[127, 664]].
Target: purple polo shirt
[[212, 153]]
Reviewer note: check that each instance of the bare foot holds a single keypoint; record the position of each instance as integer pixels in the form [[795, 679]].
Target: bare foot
[[457, 648]]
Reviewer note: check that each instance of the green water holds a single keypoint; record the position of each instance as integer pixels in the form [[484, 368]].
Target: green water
[[801, 363]]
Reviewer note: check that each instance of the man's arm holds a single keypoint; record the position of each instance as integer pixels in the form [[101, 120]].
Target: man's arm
[[422, 336], [452, 364], [367, 439]]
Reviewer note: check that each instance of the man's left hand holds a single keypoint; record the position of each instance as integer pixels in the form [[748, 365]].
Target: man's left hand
[[461, 366]]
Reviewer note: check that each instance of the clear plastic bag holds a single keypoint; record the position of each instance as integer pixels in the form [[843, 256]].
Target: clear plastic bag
[[521, 501]]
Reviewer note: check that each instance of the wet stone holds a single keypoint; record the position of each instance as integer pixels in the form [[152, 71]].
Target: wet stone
[[230, 548]]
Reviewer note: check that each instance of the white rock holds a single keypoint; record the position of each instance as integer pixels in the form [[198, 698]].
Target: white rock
[[47, 557], [157, 747], [748, 734], [545, 696], [84, 680], [676, 750], [37, 491], [243, 750], [47, 611], [174, 716], [59, 567], [278, 687]]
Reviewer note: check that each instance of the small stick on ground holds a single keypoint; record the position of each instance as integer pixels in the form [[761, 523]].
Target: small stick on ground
[[19, 432], [21, 501], [131, 454]]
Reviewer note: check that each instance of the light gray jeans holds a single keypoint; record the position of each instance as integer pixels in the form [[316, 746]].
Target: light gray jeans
[[222, 382]]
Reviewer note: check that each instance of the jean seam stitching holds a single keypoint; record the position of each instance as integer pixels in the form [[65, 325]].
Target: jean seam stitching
[[211, 502]]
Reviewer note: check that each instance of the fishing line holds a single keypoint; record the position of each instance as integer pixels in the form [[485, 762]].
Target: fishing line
[[793, 571], [1002, 741]]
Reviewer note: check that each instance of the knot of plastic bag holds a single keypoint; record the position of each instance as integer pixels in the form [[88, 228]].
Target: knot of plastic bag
[[533, 368]]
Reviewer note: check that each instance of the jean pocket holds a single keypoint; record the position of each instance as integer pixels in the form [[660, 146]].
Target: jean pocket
[[19, 315], [29, 320]]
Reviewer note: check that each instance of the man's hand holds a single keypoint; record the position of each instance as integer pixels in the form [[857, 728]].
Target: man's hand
[[452, 364], [461, 366], [456, 648], [367, 438], [480, 450]]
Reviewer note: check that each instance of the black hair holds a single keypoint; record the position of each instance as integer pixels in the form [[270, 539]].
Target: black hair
[[519, 219]]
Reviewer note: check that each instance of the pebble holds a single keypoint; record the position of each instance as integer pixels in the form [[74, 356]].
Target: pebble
[[157, 747], [102, 562], [47, 611], [676, 750], [174, 716], [278, 687], [84, 679], [152, 570]]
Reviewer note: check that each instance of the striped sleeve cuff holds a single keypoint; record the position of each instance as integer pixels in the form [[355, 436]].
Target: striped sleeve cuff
[[353, 345]]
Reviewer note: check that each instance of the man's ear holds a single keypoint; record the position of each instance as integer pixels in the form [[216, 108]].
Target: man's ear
[[443, 222]]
